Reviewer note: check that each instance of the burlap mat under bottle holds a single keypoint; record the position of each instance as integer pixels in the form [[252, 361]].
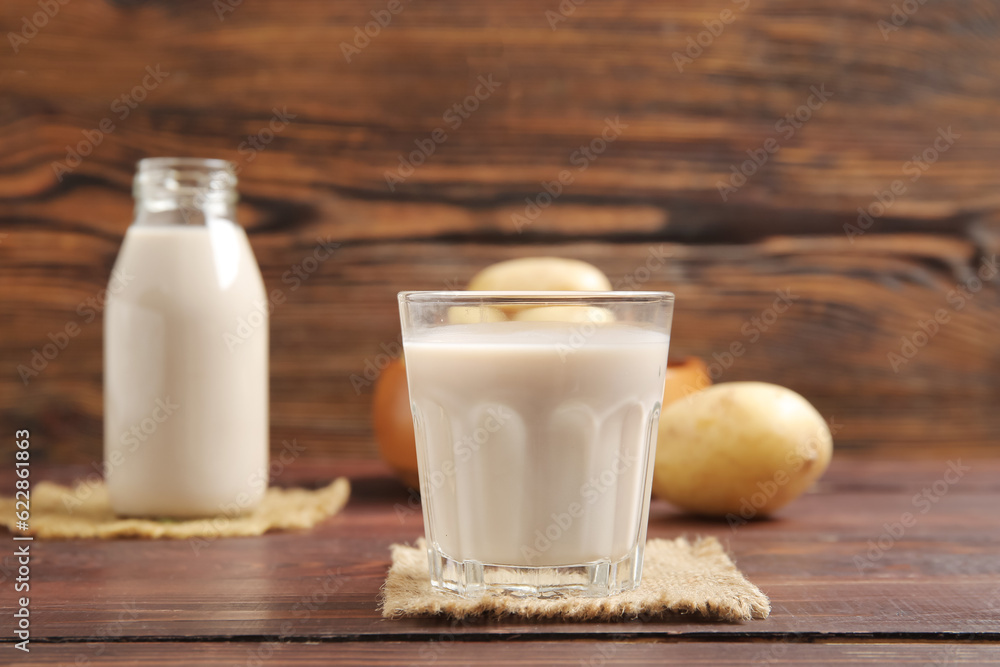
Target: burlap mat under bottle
[[678, 578], [84, 511]]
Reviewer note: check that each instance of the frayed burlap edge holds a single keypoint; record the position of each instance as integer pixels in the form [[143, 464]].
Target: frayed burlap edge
[[84, 512], [678, 578]]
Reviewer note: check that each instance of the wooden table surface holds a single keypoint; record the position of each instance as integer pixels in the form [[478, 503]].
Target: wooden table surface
[[843, 588]]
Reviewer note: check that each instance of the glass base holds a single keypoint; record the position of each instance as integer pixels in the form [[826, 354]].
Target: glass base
[[599, 578]]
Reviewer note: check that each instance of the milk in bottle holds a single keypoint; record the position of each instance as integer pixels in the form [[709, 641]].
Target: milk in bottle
[[185, 398]]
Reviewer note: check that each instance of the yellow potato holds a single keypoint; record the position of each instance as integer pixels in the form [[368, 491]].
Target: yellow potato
[[474, 314], [566, 314], [541, 274], [739, 450]]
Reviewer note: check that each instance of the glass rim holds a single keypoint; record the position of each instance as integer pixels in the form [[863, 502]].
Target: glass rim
[[533, 296], [191, 163], [193, 180]]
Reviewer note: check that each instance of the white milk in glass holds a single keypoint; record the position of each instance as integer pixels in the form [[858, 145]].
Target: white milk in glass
[[186, 395], [536, 437]]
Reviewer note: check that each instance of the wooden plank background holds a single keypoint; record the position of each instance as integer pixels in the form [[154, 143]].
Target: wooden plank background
[[225, 68]]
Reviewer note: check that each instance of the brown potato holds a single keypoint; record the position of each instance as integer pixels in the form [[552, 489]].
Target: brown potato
[[739, 450]]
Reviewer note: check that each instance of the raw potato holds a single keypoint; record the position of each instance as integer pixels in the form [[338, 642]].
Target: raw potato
[[541, 274], [739, 450], [474, 314], [566, 314], [685, 377]]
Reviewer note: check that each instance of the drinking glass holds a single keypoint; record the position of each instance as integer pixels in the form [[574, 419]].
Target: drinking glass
[[535, 416]]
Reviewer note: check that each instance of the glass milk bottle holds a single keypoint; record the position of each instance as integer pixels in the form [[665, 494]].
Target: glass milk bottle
[[185, 393]]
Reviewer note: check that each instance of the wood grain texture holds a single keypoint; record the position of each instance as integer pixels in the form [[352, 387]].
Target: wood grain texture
[[448, 653], [938, 581], [323, 174], [685, 128], [850, 308]]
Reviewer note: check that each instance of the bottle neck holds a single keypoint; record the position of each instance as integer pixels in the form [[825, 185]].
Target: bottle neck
[[184, 192]]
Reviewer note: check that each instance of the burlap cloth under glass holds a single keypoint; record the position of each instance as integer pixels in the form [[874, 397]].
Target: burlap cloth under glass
[[678, 577], [84, 511]]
